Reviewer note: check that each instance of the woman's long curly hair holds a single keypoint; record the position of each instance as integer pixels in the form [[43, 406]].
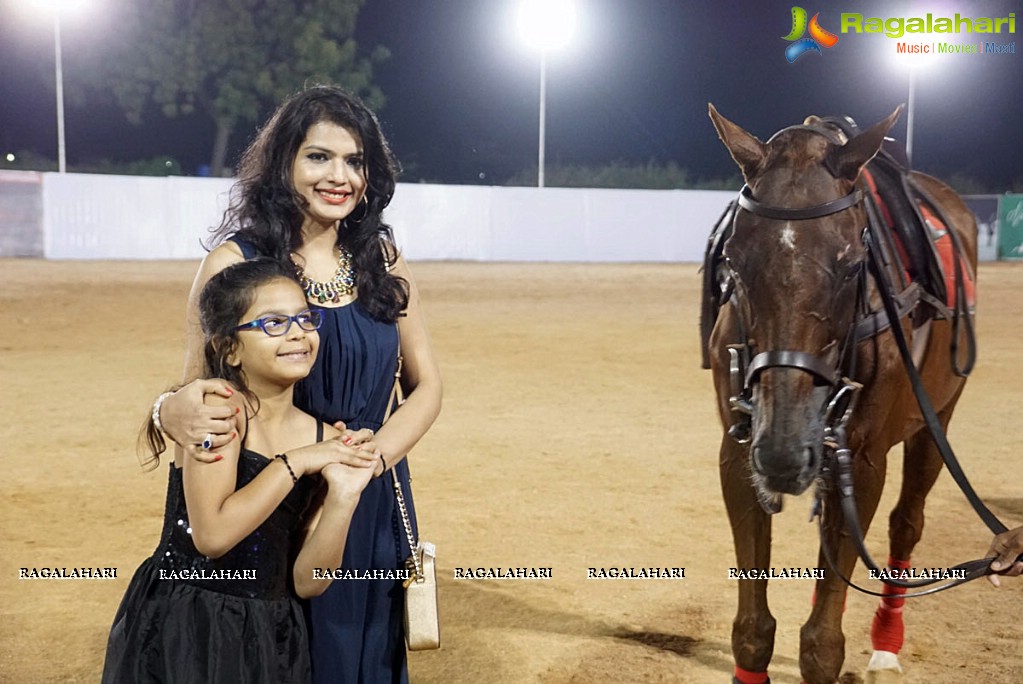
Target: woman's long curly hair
[[267, 212], [222, 303]]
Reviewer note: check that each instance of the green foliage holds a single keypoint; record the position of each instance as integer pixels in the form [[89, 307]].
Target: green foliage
[[232, 60], [26, 160], [966, 184], [652, 175], [157, 166]]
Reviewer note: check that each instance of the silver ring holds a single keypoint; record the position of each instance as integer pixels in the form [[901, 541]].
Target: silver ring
[[207, 443]]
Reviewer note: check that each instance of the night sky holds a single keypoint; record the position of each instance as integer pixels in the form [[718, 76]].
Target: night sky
[[463, 93]]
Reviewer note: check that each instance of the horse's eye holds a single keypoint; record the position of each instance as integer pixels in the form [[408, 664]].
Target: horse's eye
[[733, 262]]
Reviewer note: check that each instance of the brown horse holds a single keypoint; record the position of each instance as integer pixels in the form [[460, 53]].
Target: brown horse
[[796, 296]]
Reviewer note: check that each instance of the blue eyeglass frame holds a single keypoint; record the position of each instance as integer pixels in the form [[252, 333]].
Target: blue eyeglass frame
[[261, 322]]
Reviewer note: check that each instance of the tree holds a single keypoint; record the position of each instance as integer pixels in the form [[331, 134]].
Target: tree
[[652, 175], [229, 60]]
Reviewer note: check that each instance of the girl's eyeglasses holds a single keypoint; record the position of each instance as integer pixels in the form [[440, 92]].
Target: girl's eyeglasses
[[276, 325]]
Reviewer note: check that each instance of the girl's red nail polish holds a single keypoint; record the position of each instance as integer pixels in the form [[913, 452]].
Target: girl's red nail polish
[[217, 457], [347, 440]]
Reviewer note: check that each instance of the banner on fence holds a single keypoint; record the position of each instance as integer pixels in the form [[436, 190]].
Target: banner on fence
[[1010, 227], [985, 208]]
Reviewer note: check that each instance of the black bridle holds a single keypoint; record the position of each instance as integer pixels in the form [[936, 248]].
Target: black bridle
[[747, 202], [837, 468], [745, 370]]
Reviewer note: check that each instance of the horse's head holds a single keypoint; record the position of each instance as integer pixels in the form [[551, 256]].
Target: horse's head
[[796, 279]]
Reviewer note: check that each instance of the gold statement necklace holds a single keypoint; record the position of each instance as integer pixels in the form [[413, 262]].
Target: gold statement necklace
[[333, 290]]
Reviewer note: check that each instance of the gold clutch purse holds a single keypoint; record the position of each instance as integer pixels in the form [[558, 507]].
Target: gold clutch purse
[[422, 622]]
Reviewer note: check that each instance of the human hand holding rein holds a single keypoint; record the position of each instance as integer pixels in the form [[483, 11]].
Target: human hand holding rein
[[1006, 547]]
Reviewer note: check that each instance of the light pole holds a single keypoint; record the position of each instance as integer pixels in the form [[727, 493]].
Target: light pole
[[541, 148], [61, 147], [910, 110], [545, 25], [56, 7], [913, 63]]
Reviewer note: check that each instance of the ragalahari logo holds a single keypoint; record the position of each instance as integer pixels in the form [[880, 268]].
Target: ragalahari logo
[[818, 36]]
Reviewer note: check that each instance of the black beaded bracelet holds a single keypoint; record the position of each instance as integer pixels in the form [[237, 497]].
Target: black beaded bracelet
[[284, 459]]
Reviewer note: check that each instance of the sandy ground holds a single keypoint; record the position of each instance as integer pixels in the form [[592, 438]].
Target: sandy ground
[[578, 431]]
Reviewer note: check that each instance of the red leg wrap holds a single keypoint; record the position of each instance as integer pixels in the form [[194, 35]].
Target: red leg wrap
[[886, 632], [746, 677]]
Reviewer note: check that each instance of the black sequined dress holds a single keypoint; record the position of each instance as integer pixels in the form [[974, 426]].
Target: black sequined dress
[[189, 618]]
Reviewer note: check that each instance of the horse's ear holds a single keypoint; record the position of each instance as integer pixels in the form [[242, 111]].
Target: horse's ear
[[847, 160], [747, 151]]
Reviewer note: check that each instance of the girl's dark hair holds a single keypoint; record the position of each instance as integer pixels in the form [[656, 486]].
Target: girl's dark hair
[[266, 211], [222, 303]]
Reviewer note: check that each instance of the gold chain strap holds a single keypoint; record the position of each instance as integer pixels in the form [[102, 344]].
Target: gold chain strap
[[416, 561], [398, 398]]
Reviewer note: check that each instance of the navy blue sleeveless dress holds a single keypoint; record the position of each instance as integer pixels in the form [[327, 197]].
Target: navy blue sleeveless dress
[[356, 626], [188, 618]]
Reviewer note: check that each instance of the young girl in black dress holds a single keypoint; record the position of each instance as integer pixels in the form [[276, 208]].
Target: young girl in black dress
[[217, 601]]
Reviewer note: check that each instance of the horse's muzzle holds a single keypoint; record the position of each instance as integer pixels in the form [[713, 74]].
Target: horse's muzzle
[[785, 472]]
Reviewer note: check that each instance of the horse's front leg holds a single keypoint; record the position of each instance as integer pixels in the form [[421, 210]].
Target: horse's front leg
[[821, 643], [921, 466], [753, 628]]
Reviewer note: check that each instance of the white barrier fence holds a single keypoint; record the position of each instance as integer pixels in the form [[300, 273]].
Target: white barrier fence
[[90, 216]]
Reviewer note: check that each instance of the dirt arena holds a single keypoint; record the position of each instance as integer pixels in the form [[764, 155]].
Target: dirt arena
[[578, 431]]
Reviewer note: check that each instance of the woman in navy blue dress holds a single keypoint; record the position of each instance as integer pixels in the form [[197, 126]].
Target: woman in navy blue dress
[[311, 190]]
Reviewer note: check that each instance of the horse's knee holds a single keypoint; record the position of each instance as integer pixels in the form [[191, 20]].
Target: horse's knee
[[905, 528], [753, 641], [821, 652]]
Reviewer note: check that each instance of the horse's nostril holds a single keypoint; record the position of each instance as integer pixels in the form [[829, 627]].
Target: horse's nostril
[[811, 458], [757, 465], [782, 466]]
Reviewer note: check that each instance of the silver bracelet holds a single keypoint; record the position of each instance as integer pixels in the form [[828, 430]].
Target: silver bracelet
[[156, 411]]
